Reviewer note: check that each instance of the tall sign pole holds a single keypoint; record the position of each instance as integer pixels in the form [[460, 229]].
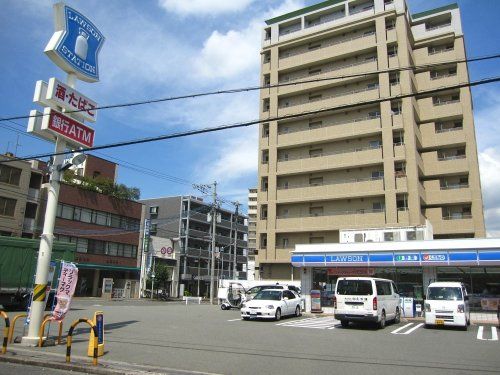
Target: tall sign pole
[[74, 47], [212, 266]]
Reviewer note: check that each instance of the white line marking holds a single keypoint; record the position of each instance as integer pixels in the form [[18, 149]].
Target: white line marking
[[480, 333], [494, 335], [401, 328], [413, 329], [234, 320], [299, 320]]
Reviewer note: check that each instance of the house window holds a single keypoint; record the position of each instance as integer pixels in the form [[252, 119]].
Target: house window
[[285, 243], [7, 206], [153, 210], [10, 175]]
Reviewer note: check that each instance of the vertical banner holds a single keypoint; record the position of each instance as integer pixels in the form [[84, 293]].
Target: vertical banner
[[65, 290]]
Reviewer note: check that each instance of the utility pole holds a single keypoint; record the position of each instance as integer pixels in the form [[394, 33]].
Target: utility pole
[[237, 204], [212, 265]]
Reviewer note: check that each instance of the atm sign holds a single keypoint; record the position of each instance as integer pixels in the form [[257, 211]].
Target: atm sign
[[434, 257]]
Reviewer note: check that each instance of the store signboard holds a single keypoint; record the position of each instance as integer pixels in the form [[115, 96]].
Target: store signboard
[[347, 258], [435, 257], [70, 99], [406, 257], [62, 125], [75, 45]]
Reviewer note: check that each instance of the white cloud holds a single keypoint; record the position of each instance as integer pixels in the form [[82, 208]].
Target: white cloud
[[489, 165], [486, 117], [235, 52], [203, 7]]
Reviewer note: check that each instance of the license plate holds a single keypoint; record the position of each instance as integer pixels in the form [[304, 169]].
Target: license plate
[[253, 313], [439, 321], [354, 307]]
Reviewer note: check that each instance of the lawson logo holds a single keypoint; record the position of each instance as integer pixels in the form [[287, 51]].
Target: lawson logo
[[434, 257], [349, 258]]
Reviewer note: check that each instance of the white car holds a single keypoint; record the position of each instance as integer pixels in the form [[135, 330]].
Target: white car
[[272, 304], [447, 303]]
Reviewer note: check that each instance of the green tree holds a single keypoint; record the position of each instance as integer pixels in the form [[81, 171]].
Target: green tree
[[162, 276]]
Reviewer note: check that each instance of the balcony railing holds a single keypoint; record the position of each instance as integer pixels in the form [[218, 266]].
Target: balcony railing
[[442, 50], [457, 216], [321, 98], [330, 18], [330, 153], [437, 103], [328, 44], [443, 76], [29, 225], [361, 10], [328, 70], [438, 26], [454, 186], [449, 129], [330, 123], [451, 157], [337, 182], [333, 213], [33, 193]]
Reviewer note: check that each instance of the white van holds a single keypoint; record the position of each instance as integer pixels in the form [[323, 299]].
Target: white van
[[366, 299], [447, 303]]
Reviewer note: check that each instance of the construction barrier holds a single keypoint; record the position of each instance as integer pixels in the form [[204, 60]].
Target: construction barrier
[[70, 338], [11, 332], [42, 330], [5, 331]]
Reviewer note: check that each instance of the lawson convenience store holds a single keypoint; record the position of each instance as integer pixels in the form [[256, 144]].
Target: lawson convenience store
[[411, 264]]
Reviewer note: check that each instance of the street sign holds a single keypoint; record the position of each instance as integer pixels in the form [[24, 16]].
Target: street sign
[[62, 125], [75, 45]]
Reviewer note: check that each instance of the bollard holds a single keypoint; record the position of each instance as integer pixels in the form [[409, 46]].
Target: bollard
[[11, 332], [5, 331], [69, 339], [42, 330]]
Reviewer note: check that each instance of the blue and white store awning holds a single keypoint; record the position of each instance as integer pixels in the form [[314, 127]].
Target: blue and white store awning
[[455, 252]]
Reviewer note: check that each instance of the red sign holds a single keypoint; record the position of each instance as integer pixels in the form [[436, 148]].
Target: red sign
[[70, 128], [351, 271]]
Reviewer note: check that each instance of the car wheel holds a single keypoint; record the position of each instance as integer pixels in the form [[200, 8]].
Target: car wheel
[[344, 323], [297, 311], [397, 318], [427, 326], [465, 327], [277, 316], [381, 324], [246, 318], [468, 321]]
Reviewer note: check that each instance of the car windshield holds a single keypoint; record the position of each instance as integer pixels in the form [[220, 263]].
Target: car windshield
[[271, 295], [444, 294], [354, 287]]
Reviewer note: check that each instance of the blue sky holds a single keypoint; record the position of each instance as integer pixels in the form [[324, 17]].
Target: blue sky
[[162, 48]]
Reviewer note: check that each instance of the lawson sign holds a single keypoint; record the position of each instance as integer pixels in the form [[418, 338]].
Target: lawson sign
[[76, 43]]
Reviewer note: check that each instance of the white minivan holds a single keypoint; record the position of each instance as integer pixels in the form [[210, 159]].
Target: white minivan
[[366, 299], [447, 303]]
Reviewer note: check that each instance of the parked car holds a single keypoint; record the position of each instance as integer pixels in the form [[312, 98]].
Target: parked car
[[250, 293], [366, 299], [272, 304], [447, 303]]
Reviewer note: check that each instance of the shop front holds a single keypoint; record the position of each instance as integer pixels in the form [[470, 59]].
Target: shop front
[[412, 265]]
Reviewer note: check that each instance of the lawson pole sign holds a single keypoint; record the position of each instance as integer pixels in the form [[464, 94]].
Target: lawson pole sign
[[73, 131], [75, 45]]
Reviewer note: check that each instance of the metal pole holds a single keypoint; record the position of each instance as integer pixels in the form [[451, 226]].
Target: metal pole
[[153, 277], [199, 261], [212, 266], [235, 240]]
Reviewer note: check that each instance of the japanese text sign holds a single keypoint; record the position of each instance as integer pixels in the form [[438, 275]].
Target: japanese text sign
[[67, 127], [65, 289], [71, 100]]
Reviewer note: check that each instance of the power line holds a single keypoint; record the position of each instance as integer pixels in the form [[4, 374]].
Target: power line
[[254, 88], [253, 122]]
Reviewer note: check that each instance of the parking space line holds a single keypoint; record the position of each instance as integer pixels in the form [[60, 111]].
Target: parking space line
[[299, 320], [494, 334], [233, 320], [401, 328], [314, 323], [413, 329]]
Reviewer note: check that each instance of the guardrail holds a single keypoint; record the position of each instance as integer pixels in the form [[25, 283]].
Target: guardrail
[[5, 330], [13, 325], [42, 330], [69, 339]]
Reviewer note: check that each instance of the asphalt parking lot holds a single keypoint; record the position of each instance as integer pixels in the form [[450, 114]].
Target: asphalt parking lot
[[204, 338]]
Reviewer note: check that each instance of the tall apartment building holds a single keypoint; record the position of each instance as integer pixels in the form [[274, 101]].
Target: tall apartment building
[[185, 219], [252, 231], [391, 163], [20, 184]]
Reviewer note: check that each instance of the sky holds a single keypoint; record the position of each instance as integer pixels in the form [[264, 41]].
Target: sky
[[163, 48]]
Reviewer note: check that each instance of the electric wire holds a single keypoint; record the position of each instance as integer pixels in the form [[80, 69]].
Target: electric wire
[[254, 88]]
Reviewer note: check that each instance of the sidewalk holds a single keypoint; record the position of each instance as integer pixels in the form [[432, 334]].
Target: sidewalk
[[34, 357]]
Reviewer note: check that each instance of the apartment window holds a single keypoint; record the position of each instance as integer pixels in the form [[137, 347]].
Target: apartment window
[[313, 72], [316, 211], [67, 212], [153, 210], [378, 206], [81, 245], [263, 241], [267, 57], [7, 206], [313, 46], [314, 153], [372, 86], [265, 130], [10, 175], [374, 114], [392, 51], [394, 78], [390, 24], [284, 243], [265, 105], [396, 108], [398, 139], [264, 184], [267, 80], [316, 239], [284, 212], [285, 185], [263, 212], [377, 175], [153, 229], [265, 157], [375, 144], [315, 124], [315, 97], [316, 181]]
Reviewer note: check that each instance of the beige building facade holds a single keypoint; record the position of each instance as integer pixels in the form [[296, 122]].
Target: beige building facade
[[381, 161]]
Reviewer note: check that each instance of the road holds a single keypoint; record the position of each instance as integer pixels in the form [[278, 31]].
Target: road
[[207, 339]]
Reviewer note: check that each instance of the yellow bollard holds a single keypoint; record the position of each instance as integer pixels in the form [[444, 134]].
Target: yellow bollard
[[99, 325], [5, 331], [69, 339], [11, 332]]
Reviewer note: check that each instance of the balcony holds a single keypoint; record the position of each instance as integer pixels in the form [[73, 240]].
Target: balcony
[[334, 190], [294, 104], [361, 126], [424, 56], [403, 216], [452, 194], [326, 72], [399, 151], [401, 184], [454, 224], [434, 166], [426, 82], [424, 31], [332, 161], [29, 225], [430, 110], [333, 220], [432, 138], [329, 49], [397, 121]]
